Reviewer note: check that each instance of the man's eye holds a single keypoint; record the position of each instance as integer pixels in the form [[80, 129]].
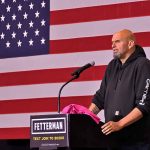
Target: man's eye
[[117, 41]]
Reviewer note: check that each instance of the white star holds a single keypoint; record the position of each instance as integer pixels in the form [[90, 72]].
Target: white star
[[14, 1], [2, 35], [43, 22], [19, 43], [31, 24], [2, 18], [31, 42], [37, 14], [25, 15], [25, 33], [19, 7], [8, 8], [42, 41], [2, 1], [43, 4], [19, 25], [13, 17], [13, 35], [8, 26], [7, 44], [31, 6], [37, 32]]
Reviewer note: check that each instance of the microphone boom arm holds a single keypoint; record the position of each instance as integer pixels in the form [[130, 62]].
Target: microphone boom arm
[[73, 78]]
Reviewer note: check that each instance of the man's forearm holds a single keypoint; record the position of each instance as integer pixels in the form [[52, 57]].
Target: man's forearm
[[132, 117], [93, 108]]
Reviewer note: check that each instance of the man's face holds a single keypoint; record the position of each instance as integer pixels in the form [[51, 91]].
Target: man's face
[[119, 46]]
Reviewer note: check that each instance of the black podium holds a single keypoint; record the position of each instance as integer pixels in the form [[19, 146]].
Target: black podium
[[67, 131]]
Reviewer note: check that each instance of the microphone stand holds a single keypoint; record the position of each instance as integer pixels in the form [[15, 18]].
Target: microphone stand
[[74, 77]]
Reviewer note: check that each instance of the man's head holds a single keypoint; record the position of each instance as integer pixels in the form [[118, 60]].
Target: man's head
[[123, 44]]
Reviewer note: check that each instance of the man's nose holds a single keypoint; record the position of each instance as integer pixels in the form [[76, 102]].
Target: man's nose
[[113, 45]]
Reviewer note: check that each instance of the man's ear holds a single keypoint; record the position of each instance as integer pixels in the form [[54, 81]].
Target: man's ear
[[131, 44]]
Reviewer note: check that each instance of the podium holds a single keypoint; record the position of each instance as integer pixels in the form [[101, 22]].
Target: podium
[[67, 131]]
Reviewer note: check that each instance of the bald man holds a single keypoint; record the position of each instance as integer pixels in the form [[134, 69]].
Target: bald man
[[124, 93]]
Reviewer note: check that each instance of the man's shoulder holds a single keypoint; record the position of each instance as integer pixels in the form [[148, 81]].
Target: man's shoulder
[[142, 61], [142, 64]]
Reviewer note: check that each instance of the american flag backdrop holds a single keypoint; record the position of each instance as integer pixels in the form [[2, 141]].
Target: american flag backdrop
[[43, 41]]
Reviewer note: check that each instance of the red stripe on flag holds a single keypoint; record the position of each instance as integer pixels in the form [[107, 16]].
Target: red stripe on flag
[[41, 104], [80, 44], [143, 38], [49, 76], [115, 11], [15, 133], [91, 43]]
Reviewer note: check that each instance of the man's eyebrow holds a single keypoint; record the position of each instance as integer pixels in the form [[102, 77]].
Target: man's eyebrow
[[116, 41]]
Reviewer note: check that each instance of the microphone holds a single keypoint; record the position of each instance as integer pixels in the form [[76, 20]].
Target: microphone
[[75, 75], [81, 69]]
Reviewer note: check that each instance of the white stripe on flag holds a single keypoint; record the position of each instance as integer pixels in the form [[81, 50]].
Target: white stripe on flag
[[18, 120], [54, 61], [69, 4], [48, 90], [99, 28]]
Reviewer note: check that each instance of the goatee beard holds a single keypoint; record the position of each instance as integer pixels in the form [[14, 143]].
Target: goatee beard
[[116, 55]]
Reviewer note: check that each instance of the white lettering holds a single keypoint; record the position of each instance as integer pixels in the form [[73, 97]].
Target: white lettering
[[36, 126], [61, 125], [48, 125], [142, 101]]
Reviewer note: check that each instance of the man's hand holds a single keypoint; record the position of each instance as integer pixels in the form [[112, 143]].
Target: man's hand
[[110, 127]]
